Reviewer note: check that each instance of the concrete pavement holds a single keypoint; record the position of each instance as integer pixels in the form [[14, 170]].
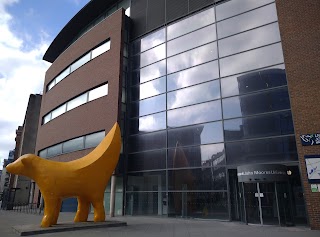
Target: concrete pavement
[[158, 227]]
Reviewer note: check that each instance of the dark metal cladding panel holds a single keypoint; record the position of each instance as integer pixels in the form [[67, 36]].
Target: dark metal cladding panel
[[198, 4], [155, 14], [176, 9], [139, 17]]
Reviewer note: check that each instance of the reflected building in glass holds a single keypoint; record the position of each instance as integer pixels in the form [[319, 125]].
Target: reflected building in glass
[[200, 89]]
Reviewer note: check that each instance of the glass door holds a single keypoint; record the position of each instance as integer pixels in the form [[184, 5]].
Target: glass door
[[252, 203], [269, 204]]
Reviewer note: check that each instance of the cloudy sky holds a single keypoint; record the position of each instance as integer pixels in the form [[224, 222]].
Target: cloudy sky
[[27, 27]]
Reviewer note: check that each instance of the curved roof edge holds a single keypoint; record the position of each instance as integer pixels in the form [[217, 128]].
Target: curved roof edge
[[88, 13]]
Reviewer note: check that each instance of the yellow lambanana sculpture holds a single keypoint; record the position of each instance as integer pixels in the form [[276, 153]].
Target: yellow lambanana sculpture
[[85, 178]]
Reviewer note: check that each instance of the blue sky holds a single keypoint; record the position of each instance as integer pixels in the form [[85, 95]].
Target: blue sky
[[27, 27]]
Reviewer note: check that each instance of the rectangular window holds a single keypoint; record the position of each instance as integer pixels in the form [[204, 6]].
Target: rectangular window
[[73, 145], [98, 92], [62, 75], [58, 111], [153, 71], [51, 84], [93, 140], [101, 49], [83, 60], [55, 150], [43, 153], [47, 118], [80, 100], [153, 55], [149, 123]]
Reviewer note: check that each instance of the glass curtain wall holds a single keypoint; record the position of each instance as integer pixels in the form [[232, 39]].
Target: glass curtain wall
[[206, 93]]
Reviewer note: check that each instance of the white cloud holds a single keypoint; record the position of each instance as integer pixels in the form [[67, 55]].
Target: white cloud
[[21, 74]]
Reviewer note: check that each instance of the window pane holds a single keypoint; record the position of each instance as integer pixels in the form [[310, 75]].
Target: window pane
[[101, 49], [54, 150], [147, 160], [80, 62], [253, 81], [147, 181], [193, 95], [153, 71], [150, 141], [231, 8], [63, 75], [146, 203], [94, 139], [250, 39], [192, 58], [259, 126], [149, 123], [198, 179], [73, 145], [46, 118], [153, 55], [196, 135], [58, 111], [98, 92], [253, 59], [43, 153], [153, 40], [149, 106], [247, 21], [191, 23], [192, 40], [192, 76], [51, 84], [197, 156], [149, 89], [269, 101], [270, 150], [80, 100], [194, 114]]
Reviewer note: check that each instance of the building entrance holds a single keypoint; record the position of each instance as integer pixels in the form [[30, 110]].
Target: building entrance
[[266, 203]]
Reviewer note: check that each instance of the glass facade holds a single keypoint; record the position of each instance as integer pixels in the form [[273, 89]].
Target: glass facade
[[206, 94]]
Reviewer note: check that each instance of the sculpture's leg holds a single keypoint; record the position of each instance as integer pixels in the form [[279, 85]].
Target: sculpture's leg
[[50, 209], [57, 211], [99, 214], [83, 210]]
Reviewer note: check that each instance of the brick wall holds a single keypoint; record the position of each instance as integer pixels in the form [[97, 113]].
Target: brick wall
[[300, 34]]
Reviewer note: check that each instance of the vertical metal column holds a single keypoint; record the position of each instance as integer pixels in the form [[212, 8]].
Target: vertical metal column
[[259, 199], [112, 195], [277, 202]]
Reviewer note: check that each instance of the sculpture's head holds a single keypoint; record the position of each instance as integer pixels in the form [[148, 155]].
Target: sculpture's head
[[23, 165]]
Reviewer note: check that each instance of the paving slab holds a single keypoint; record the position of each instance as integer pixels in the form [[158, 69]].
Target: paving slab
[[25, 230]]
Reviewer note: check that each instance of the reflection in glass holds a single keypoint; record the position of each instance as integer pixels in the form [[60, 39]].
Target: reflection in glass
[[253, 81], [146, 181], [43, 153], [80, 62], [152, 88], [146, 203], [153, 55], [274, 124], [153, 71], [192, 58], [150, 141], [193, 95], [54, 150], [101, 49], [281, 149], [77, 101], [73, 145], [58, 111], [94, 139], [62, 75], [98, 92], [51, 84], [192, 40], [46, 118], [154, 39], [250, 39], [231, 8], [148, 123], [196, 156], [192, 76], [198, 179], [196, 135], [147, 160], [191, 23], [247, 21], [148, 106], [268, 101], [250, 60], [194, 114], [199, 204]]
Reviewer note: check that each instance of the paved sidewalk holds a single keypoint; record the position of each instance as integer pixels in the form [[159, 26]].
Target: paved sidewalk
[[158, 227]]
